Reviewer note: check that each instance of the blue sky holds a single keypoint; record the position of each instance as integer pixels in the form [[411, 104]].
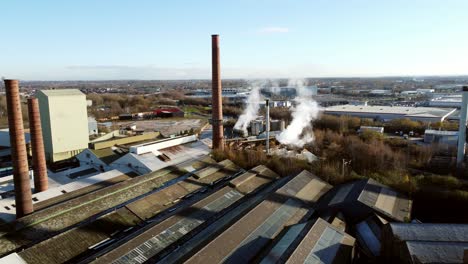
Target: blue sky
[[124, 39]]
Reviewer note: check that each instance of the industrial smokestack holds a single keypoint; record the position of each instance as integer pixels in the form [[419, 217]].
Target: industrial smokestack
[[267, 126], [217, 103], [23, 197], [462, 127], [37, 144]]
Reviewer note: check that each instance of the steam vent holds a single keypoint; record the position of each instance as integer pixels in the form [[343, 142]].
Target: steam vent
[[23, 197], [217, 104]]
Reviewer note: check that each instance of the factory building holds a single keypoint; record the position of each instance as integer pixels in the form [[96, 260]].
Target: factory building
[[441, 137], [387, 113], [232, 93], [424, 243], [312, 238], [256, 127], [242, 241], [277, 103], [277, 125], [168, 112], [360, 199], [380, 92], [64, 123], [446, 100]]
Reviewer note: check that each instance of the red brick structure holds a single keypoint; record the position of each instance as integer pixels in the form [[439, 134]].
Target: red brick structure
[[19, 157], [37, 146], [217, 101]]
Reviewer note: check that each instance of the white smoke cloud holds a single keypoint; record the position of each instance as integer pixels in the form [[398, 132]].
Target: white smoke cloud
[[299, 131], [251, 111]]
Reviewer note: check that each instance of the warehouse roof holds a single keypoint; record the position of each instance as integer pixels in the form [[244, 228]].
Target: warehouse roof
[[62, 92], [436, 252], [246, 238], [425, 243], [359, 199], [312, 242], [429, 232], [396, 110]]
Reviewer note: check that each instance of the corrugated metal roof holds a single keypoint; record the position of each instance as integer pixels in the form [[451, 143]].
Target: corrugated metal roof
[[430, 232], [436, 252], [265, 231], [283, 244], [376, 196], [323, 243], [153, 246]]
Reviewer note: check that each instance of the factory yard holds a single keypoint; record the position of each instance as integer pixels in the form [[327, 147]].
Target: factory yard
[[314, 170], [166, 127]]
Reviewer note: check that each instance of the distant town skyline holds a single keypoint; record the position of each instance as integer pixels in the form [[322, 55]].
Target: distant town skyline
[[112, 40]]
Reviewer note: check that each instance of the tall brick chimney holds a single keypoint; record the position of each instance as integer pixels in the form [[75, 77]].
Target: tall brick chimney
[[217, 101], [19, 157], [37, 145]]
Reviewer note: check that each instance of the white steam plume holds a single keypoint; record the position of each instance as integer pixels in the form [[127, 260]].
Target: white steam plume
[[299, 131], [251, 110]]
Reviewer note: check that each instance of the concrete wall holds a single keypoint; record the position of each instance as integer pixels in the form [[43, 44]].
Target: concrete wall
[[64, 122]]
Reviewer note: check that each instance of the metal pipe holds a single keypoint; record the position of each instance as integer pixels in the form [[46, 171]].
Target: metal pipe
[[23, 196], [37, 145], [217, 103], [462, 128]]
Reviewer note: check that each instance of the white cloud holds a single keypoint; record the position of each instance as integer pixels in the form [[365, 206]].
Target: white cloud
[[274, 30]]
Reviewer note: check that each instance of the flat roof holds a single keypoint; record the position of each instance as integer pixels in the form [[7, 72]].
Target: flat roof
[[62, 92], [398, 110]]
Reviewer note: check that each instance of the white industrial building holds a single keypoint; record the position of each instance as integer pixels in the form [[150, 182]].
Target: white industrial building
[[380, 92], [387, 113], [425, 91], [64, 121], [453, 100]]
